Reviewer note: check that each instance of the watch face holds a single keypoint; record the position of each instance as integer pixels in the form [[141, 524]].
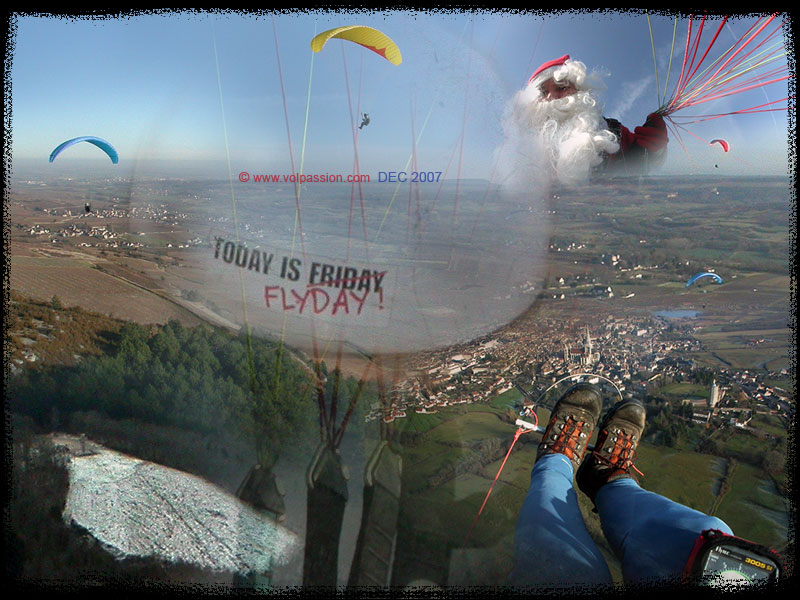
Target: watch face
[[728, 565]]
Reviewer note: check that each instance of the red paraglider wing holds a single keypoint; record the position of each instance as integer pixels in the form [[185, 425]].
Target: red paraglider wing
[[722, 143]]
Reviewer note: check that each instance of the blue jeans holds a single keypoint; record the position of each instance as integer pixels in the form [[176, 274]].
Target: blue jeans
[[651, 535]]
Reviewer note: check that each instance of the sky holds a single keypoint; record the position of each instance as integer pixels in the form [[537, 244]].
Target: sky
[[244, 91]]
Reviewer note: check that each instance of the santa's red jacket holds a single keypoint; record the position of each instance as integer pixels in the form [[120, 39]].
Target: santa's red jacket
[[645, 142]]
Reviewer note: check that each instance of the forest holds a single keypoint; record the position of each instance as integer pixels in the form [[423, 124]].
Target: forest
[[196, 380]]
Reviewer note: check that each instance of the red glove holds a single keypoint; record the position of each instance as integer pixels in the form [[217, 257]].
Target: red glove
[[653, 134]]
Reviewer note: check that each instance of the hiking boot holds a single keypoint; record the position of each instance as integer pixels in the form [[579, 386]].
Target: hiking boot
[[615, 449], [572, 422]]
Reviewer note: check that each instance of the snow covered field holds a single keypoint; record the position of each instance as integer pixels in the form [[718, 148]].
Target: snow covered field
[[139, 508]]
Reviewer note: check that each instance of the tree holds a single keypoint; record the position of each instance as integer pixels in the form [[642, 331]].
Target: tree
[[165, 345], [711, 446], [133, 343], [773, 462], [667, 439]]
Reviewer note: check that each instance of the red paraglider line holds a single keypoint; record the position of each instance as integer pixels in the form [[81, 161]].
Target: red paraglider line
[[339, 433], [444, 175], [682, 88], [289, 136], [741, 86], [689, 92], [730, 58], [297, 203], [328, 430], [518, 433], [676, 128], [719, 29], [753, 109], [502, 146], [766, 39], [337, 378], [463, 128], [708, 49], [680, 85], [355, 155], [696, 46], [680, 126], [529, 68], [458, 145], [412, 187], [728, 92]]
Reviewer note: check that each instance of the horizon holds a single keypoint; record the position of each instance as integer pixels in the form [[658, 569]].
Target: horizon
[[187, 168], [246, 91]]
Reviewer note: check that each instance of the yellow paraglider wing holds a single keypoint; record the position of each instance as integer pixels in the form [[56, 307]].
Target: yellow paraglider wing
[[368, 37]]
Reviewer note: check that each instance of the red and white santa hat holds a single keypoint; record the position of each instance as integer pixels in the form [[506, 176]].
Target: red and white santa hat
[[565, 69], [552, 64]]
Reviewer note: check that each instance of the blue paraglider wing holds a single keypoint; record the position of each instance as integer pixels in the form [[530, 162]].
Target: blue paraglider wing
[[700, 275], [99, 142]]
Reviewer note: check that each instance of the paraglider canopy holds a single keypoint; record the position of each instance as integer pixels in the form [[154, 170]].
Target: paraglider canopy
[[99, 142], [716, 277], [368, 37], [722, 143]]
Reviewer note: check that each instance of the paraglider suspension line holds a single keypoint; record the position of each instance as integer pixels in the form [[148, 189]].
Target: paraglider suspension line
[[519, 432]]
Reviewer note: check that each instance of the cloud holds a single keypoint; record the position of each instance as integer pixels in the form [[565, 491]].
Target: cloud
[[629, 93]]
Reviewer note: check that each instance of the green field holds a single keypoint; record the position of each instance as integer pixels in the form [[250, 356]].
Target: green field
[[446, 432], [418, 422], [475, 425], [684, 476], [685, 390], [501, 401], [748, 509], [734, 347], [770, 425]]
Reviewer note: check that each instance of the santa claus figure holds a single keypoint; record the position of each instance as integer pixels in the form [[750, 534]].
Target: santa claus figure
[[557, 123]]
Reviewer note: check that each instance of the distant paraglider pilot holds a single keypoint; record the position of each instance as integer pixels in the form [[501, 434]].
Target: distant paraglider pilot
[[364, 120], [560, 104]]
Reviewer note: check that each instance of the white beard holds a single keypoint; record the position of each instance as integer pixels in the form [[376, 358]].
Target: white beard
[[561, 139]]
